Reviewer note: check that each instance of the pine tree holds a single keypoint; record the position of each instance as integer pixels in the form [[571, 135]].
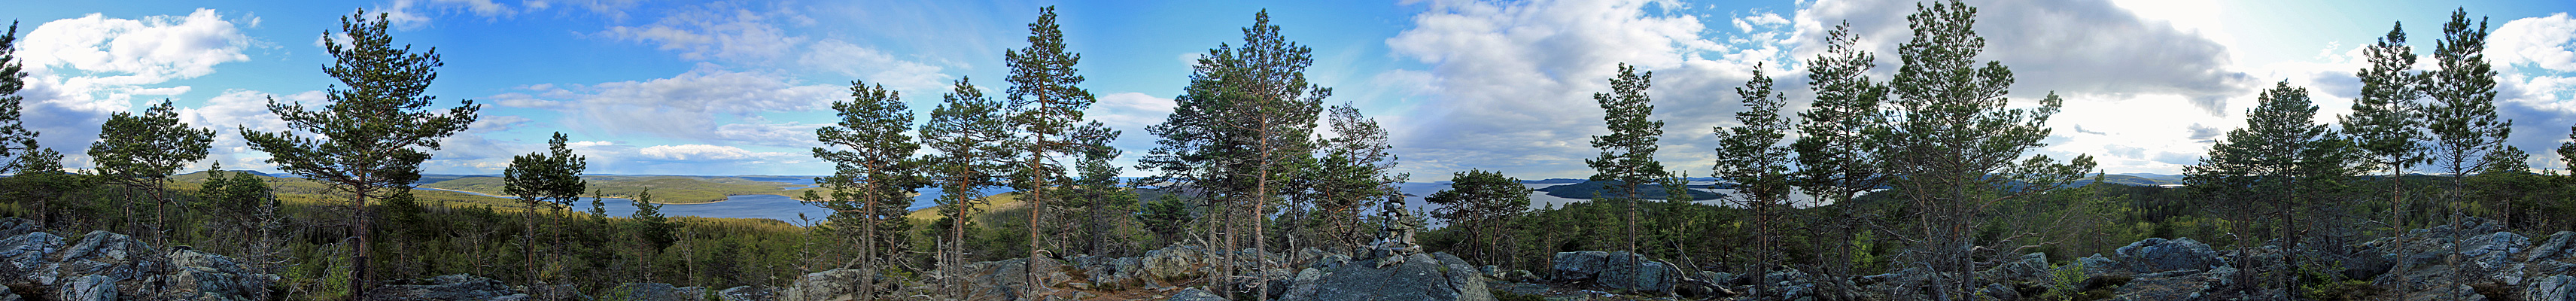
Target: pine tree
[[1242, 128], [375, 132], [2282, 163], [873, 172], [1628, 152], [547, 181], [968, 131], [141, 151], [1478, 200], [1835, 160], [2386, 122], [1750, 154], [1350, 174], [1097, 194], [1046, 108], [1956, 142], [15, 139], [2462, 117]]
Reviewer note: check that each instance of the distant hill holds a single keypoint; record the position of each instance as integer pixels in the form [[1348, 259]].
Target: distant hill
[[1553, 181], [1586, 189]]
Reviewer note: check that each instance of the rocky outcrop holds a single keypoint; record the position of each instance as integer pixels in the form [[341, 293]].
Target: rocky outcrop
[[458, 287], [1437, 276], [2155, 255], [109, 266], [830, 285], [1614, 270], [747, 293], [656, 292], [1195, 294]]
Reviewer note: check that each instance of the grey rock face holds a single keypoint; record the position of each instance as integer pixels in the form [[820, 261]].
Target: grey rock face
[[458, 287], [1418, 277], [2158, 255], [1578, 265], [832, 285], [748, 293], [658, 292], [2554, 288], [89, 288], [1195, 294], [1614, 270]]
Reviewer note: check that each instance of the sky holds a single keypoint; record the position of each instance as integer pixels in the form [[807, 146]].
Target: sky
[[737, 88]]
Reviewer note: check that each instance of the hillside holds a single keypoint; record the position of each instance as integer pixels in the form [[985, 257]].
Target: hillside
[[666, 189]]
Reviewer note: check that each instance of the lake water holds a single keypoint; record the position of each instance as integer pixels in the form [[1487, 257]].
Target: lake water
[[786, 209]]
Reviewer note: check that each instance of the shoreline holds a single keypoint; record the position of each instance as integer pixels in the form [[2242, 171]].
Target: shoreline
[[727, 197]]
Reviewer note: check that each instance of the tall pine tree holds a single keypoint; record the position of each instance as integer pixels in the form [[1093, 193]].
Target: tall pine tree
[[372, 137], [1835, 161], [1955, 141], [968, 131], [1628, 152], [1243, 126], [1046, 108], [873, 173], [2462, 117], [1750, 154], [2387, 124]]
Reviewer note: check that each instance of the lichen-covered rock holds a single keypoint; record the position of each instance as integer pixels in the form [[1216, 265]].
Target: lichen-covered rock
[[1417, 277], [748, 293], [457, 287], [830, 285], [1195, 294], [25, 260], [88, 288], [657, 292], [2158, 255], [2553, 288], [2177, 285], [1583, 265]]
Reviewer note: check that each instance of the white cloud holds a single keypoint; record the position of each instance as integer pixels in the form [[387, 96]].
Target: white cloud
[[1130, 110], [82, 69], [706, 105], [702, 152], [877, 67], [720, 30], [1509, 83], [235, 110], [2547, 42]]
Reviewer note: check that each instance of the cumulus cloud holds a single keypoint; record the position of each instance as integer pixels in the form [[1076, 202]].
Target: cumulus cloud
[[2548, 42], [82, 69], [706, 105], [1511, 81], [2074, 47], [721, 30]]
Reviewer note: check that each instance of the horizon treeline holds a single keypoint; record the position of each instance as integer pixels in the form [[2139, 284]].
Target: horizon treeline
[[1927, 169]]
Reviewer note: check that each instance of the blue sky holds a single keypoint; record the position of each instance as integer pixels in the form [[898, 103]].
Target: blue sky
[[720, 88]]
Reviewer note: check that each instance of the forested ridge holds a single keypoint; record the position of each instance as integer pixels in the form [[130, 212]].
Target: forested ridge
[[1915, 183]]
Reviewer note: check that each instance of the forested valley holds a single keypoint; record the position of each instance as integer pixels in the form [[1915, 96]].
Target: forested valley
[[1913, 184]]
